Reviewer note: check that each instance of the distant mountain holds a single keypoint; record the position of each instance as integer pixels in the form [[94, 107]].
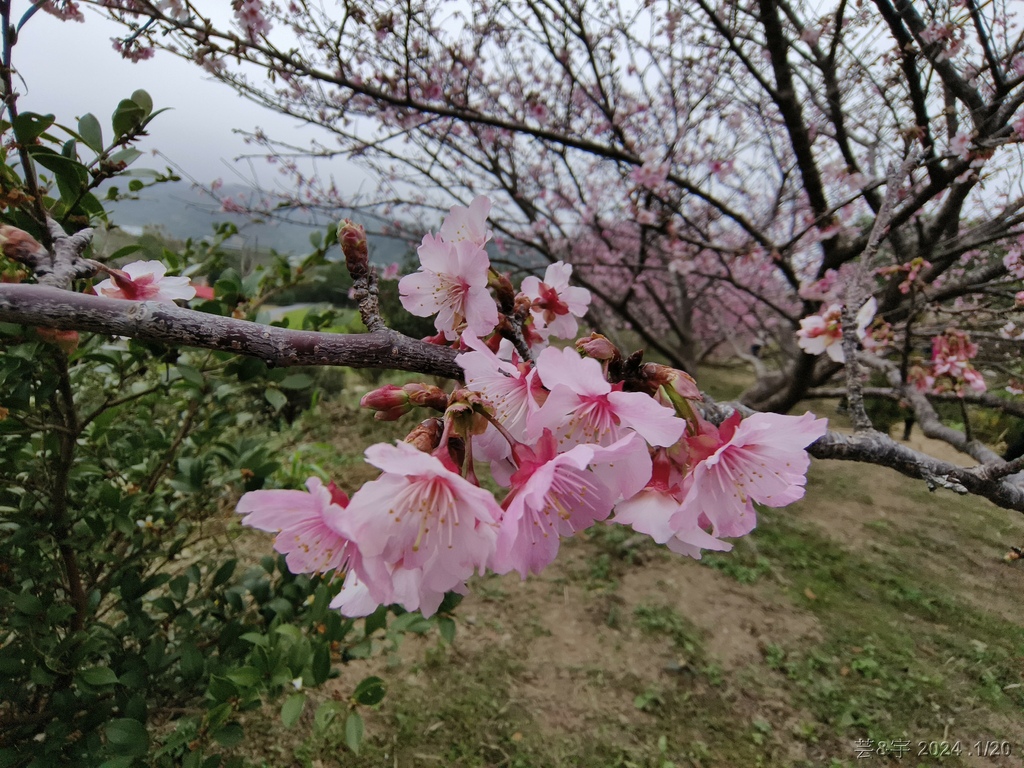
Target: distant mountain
[[181, 211]]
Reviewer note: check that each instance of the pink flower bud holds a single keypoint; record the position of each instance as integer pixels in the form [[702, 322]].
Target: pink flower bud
[[598, 347], [352, 237], [427, 396], [66, 340], [392, 414], [387, 397]]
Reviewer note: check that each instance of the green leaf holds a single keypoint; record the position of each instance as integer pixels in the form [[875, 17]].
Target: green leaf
[[29, 126], [192, 662], [28, 603], [91, 132], [191, 375], [224, 572], [446, 627], [221, 689], [71, 171], [247, 677], [127, 737], [144, 100], [99, 676], [370, 691], [126, 156], [276, 398], [230, 735], [325, 715], [376, 620], [128, 250], [296, 381], [127, 118], [321, 666], [354, 731], [291, 710]]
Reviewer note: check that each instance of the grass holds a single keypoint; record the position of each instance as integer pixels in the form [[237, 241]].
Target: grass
[[871, 610]]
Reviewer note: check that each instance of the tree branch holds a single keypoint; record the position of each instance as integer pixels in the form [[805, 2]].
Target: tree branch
[[38, 305]]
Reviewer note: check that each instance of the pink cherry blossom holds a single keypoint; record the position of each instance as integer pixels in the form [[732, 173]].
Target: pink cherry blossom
[[145, 281], [468, 223], [759, 459], [960, 145], [558, 494], [421, 528], [509, 388], [1013, 262], [824, 332], [307, 527], [556, 304], [582, 407], [654, 511], [451, 283], [951, 368], [652, 173]]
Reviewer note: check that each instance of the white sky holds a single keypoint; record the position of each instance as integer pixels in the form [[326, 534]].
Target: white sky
[[70, 69]]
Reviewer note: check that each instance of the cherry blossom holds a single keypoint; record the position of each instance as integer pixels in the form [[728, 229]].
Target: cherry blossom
[[557, 494], [145, 281], [824, 332], [582, 407], [655, 512], [451, 283], [421, 528], [306, 524], [556, 304], [509, 388], [468, 223], [758, 459]]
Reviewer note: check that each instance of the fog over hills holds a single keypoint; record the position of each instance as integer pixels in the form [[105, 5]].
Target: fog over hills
[[181, 211]]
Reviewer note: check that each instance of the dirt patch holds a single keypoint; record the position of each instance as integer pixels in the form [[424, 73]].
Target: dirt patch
[[737, 620]]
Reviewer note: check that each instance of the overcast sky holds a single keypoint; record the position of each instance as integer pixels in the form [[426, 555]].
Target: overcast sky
[[70, 69]]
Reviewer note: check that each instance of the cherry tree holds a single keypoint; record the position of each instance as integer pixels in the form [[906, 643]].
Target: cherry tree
[[839, 189]]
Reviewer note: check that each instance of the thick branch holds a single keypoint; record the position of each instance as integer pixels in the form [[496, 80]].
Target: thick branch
[[38, 305], [876, 448]]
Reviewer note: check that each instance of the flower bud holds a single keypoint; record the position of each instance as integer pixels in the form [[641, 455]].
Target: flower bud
[[392, 414], [680, 382], [598, 347], [427, 396], [427, 436], [18, 245], [387, 397], [352, 237], [66, 340]]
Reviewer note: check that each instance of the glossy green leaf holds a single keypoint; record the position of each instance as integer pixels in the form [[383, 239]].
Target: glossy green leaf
[[370, 691], [28, 126], [127, 118], [230, 735], [296, 381], [144, 100], [99, 676], [91, 131]]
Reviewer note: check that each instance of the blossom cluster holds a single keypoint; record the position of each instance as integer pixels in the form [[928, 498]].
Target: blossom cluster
[[573, 436], [950, 367]]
